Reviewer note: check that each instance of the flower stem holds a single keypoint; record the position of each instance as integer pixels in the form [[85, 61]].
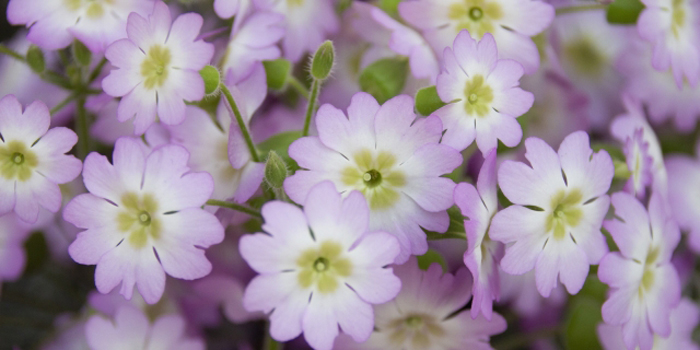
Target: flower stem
[[579, 8], [98, 69], [298, 86], [315, 87], [269, 343], [234, 206], [62, 104], [81, 129], [241, 123], [8, 51]]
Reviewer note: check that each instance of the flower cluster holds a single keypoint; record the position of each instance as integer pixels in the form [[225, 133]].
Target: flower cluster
[[346, 174]]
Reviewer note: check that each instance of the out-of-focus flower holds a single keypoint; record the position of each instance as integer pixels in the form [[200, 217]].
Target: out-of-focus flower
[[685, 205], [320, 268], [644, 284], [559, 206], [393, 158], [673, 28], [157, 67], [479, 204], [308, 22], [684, 319], [639, 163], [12, 255], [53, 24], [131, 329], [33, 159], [143, 205], [520, 293], [255, 40], [511, 22], [419, 317], [482, 94], [230, 8]]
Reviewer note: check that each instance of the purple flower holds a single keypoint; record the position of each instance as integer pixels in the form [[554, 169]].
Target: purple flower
[[308, 22], [639, 163], [132, 330], [685, 204], [12, 255], [157, 67], [419, 317], [511, 23], [229, 8], [143, 218], [559, 206], [483, 95], [673, 27], [54, 23], [644, 284], [684, 319], [33, 159], [320, 268], [393, 158], [479, 204]]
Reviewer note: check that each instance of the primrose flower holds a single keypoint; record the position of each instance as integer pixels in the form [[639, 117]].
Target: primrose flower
[[673, 28], [639, 163], [393, 158], [685, 172], [53, 24], [511, 22], [157, 67], [142, 206], [479, 204], [421, 316], [307, 24], [320, 268], [559, 206], [131, 329], [230, 8], [645, 287], [482, 94], [33, 159], [12, 255]]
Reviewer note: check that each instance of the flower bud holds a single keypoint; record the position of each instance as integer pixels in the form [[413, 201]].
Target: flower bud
[[322, 63], [275, 170], [81, 54], [35, 59], [212, 79]]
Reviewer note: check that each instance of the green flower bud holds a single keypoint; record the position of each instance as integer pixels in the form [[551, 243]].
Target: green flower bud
[[275, 170], [322, 63], [277, 72], [35, 59], [81, 54], [212, 79]]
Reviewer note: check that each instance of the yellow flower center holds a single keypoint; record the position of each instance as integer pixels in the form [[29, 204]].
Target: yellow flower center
[[137, 218], [17, 161], [415, 331], [476, 16], [154, 68], [566, 212], [323, 267], [295, 3], [678, 17], [376, 176], [649, 271], [93, 8], [479, 97], [585, 57]]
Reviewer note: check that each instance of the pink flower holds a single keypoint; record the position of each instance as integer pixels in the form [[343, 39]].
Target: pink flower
[[421, 316], [511, 22], [33, 160], [685, 174], [644, 284], [157, 67], [132, 330], [143, 218], [673, 28], [54, 23], [559, 206], [12, 255], [479, 204], [482, 94], [393, 158], [639, 163], [230, 8], [320, 268]]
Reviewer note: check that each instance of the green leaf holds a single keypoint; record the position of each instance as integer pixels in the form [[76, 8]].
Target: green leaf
[[613, 149], [280, 144], [35, 59], [212, 79], [384, 78], [454, 231], [624, 11], [81, 54], [429, 258], [277, 72], [582, 321], [428, 101], [391, 7]]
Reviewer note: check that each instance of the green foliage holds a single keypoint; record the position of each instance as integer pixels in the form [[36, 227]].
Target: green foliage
[[454, 231], [384, 78], [212, 79], [277, 72], [429, 258], [81, 54], [624, 11], [584, 316], [389, 6], [428, 101], [35, 59], [280, 144], [322, 63]]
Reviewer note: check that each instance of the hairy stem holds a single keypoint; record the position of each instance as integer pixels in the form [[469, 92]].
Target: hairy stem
[[234, 206], [311, 108], [241, 123]]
